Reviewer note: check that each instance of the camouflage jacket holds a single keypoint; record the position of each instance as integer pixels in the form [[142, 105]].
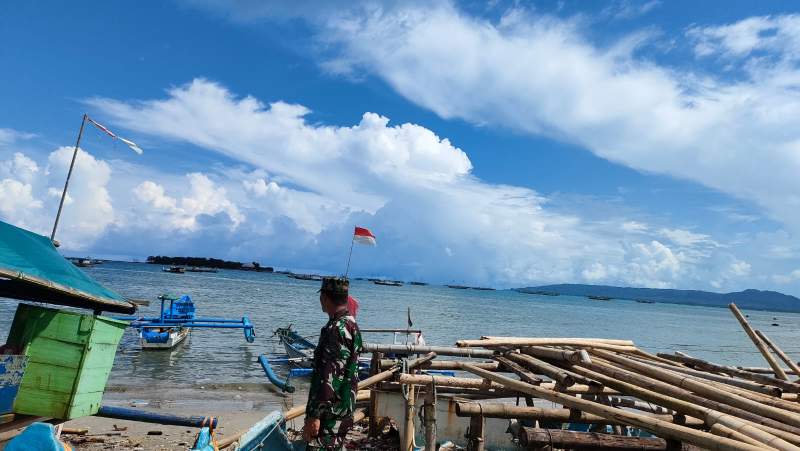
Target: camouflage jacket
[[334, 381]]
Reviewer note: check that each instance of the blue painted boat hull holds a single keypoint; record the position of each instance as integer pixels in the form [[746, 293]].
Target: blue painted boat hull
[[269, 434]]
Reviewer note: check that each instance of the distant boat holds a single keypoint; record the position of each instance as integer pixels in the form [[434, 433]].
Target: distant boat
[[83, 262], [418, 283], [201, 269], [457, 287], [483, 288], [305, 277], [645, 301], [599, 298], [174, 269], [390, 283], [543, 293]]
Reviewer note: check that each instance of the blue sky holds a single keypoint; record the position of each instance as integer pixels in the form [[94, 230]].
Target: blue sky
[[639, 143]]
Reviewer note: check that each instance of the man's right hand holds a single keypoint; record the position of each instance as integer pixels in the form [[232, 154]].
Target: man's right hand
[[310, 429]]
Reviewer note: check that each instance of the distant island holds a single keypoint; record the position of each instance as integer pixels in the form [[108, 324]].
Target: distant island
[[747, 299], [205, 262]]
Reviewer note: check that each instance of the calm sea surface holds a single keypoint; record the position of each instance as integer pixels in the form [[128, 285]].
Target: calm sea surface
[[444, 314]]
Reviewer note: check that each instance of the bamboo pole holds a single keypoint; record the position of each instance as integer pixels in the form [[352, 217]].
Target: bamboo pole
[[555, 354], [298, 411], [789, 362], [727, 380], [662, 428], [762, 348], [475, 440], [562, 341], [444, 365], [563, 377], [480, 384], [519, 370], [618, 401], [518, 342], [439, 350], [703, 389], [738, 372], [507, 411], [725, 431], [682, 401], [537, 439], [760, 370]]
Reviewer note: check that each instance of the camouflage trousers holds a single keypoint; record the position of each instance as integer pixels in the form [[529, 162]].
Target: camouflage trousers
[[332, 434]]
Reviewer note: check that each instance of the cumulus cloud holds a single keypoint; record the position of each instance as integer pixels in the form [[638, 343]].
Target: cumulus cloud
[[435, 220], [764, 36]]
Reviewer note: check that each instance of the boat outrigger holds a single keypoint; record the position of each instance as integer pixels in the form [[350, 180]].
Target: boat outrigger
[[176, 321]]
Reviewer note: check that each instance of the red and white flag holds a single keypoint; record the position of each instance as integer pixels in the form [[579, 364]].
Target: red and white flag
[[108, 132], [364, 236]]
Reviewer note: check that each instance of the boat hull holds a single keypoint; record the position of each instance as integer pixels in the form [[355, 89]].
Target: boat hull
[[175, 337]]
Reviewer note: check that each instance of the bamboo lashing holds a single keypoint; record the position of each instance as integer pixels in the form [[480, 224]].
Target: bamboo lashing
[[762, 348]]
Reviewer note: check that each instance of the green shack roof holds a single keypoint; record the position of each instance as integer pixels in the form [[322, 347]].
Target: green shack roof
[[32, 269]]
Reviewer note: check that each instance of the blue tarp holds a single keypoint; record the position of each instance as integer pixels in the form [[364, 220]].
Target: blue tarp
[[31, 268]]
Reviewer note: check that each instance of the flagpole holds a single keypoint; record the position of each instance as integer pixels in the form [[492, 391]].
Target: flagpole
[[347, 271], [69, 174]]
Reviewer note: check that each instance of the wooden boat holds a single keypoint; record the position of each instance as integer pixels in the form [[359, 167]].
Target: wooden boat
[[174, 269], [483, 288], [388, 283], [269, 434], [457, 287], [299, 349], [418, 283]]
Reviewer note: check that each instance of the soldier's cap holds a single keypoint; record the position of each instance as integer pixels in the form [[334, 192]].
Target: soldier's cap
[[334, 285]]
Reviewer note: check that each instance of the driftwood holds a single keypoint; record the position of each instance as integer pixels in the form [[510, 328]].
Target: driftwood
[[535, 439], [762, 348], [663, 428], [789, 362]]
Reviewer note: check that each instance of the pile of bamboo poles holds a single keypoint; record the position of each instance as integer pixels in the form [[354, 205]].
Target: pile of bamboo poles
[[612, 386]]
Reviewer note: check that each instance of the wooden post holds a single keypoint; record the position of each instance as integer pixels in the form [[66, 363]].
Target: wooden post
[[408, 433], [534, 439], [475, 441], [789, 362], [762, 348], [374, 369], [429, 415]]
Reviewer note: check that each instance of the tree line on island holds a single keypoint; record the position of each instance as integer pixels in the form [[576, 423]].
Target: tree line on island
[[205, 262]]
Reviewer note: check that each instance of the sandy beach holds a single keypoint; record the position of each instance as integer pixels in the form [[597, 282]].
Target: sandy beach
[[236, 406]]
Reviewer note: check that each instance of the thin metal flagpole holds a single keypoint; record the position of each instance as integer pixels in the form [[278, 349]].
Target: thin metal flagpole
[[347, 271], [69, 174]]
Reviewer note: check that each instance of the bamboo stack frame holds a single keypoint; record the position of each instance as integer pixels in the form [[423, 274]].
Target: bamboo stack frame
[[598, 381]]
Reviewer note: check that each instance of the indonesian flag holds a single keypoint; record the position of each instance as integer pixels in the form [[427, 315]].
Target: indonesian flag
[[364, 236], [108, 132]]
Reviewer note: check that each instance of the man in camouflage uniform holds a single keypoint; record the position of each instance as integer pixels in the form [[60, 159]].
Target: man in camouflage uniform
[[334, 381]]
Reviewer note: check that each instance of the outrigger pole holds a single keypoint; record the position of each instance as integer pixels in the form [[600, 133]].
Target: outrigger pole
[[347, 271], [69, 174]]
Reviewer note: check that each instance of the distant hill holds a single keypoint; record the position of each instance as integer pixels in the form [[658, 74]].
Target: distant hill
[[747, 299]]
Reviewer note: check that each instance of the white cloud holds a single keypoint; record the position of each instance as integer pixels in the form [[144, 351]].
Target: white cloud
[[412, 187], [542, 75], [686, 238], [20, 166], [778, 35], [787, 278], [204, 198], [10, 136]]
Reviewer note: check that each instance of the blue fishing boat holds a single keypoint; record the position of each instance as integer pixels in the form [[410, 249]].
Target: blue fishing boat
[[299, 349], [269, 434], [177, 320]]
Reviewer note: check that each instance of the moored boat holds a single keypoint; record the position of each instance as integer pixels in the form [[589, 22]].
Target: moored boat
[[599, 298], [299, 349], [457, 287], [174, 269], [388, 283], [201, 269]]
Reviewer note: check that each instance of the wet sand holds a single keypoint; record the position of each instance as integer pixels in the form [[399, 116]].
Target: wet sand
[[237, 406]]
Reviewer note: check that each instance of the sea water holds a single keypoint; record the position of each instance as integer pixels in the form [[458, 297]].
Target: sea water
[[443, 314]]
